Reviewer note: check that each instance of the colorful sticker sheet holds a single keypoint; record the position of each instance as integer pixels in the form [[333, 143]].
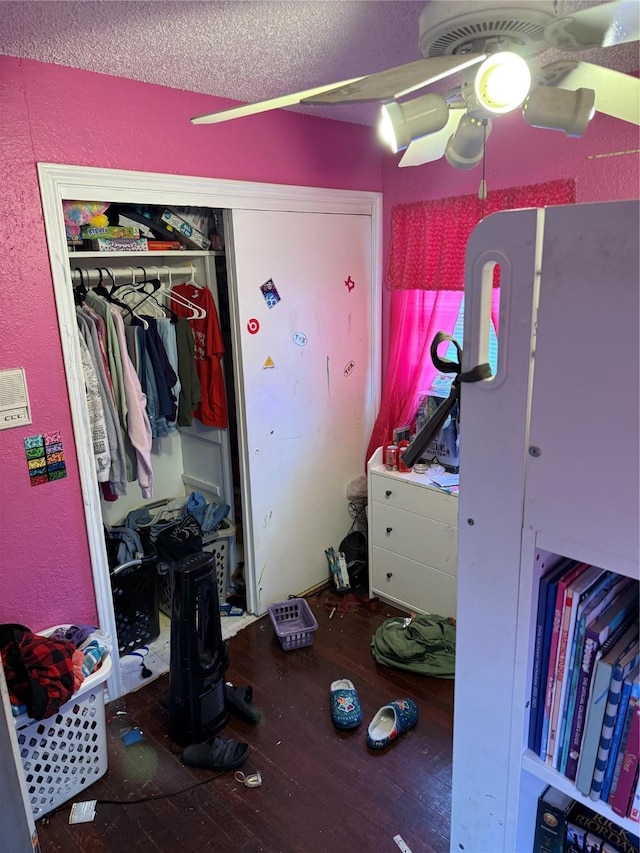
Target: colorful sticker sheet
[[45, 458]]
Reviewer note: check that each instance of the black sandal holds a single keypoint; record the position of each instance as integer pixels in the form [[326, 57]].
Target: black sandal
[[217, 754], [239, 700]]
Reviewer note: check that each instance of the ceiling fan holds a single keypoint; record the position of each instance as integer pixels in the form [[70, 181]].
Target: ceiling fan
[[493, 46]]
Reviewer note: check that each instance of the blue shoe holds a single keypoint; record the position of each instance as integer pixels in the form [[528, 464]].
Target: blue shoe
[[390, 722], [346, 711]]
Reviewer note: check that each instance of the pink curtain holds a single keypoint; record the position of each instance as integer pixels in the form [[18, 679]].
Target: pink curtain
[[425, 277], [416, 316]]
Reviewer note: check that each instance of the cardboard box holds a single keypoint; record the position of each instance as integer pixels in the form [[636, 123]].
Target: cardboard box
[[120, 244], [164, 245], [108, 232], [445, 447], [185, 231], [196, 217]]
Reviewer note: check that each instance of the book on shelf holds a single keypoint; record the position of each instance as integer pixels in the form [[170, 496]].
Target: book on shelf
[[551, 820], [621, 642], [595, 599], [622, 667], [546, 600], [590, 832], [547, 742], [634, 811], [584, 579], [626, 784], [597, 632], [630, 694], [565, 825]]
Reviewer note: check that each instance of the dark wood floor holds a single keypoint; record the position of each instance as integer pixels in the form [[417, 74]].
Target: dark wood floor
[[323, 790]]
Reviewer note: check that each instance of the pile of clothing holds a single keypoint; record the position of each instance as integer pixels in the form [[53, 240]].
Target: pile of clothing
[[171, 530], [43, 672]]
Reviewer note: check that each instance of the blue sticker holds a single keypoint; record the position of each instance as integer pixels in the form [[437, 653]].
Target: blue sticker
[[271, 295], [300, 339]]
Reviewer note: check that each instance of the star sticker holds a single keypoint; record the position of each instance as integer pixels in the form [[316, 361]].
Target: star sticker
[[350, 283]]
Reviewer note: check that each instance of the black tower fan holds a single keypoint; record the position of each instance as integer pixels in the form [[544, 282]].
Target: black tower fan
[[199, 656]]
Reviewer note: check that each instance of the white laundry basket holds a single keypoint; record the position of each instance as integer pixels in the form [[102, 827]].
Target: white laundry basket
[[67, 751]]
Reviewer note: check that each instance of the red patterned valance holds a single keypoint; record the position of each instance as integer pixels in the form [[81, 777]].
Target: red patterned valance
[[428, 238]]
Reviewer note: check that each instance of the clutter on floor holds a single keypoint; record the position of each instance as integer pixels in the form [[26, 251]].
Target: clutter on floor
[[420, 644]]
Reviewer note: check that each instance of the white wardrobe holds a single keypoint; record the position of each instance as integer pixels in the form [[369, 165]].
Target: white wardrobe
[[305, 367], [549, 468]]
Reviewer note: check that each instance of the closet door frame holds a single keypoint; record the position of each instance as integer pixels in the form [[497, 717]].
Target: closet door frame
[[65, 182]]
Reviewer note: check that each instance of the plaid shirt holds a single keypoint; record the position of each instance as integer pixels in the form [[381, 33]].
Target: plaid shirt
[[39, 670]]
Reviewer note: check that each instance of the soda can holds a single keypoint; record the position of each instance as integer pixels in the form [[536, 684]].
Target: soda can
[[391, 457]]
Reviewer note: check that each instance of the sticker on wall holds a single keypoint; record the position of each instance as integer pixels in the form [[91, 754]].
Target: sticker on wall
[[300, 339], [271, 295], [350, 284], [269, 363], [45, 458], [253, 326], [349, 368]]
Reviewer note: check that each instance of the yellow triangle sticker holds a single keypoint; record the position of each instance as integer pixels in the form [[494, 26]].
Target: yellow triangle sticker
[[269, 363]]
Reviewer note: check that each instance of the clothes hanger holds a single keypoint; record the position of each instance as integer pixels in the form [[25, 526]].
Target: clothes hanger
[[197, 313], [79, 291]]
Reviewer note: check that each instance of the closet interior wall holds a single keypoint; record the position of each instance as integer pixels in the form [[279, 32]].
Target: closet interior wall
[[192, 458]]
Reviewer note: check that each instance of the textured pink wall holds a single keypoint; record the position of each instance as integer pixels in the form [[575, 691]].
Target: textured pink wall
[[517, 155], [60, 115]]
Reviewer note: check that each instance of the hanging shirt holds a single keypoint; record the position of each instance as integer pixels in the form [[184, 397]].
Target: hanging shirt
[[209, 349]]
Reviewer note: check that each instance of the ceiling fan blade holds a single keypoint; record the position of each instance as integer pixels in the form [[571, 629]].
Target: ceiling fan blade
[[617, 94], [395, 82], [270, 104], [432, 147], [599, 26]]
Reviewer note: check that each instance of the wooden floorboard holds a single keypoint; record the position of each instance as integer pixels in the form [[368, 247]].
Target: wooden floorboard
[[323, 789]]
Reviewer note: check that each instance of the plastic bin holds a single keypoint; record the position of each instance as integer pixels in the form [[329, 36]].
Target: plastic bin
[[293, 622], [65, 753], [216, 543], [135, 603]]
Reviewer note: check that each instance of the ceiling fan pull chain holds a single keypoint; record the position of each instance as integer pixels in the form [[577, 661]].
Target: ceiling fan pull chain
[[482, 189]]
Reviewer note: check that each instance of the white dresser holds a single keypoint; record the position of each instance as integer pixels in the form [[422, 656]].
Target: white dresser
[[413, 541]]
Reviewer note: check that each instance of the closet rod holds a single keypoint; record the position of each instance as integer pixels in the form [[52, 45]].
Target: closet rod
[[154, 271]]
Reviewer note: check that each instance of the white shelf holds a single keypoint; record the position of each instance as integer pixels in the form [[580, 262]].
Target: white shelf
[[532, 764], [174, 253]]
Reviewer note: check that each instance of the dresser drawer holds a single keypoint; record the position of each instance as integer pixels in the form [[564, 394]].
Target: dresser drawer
[[412, 585], [422, 500], [415, 537]]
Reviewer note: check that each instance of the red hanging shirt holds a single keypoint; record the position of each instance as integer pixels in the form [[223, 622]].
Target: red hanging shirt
[[209, 349]]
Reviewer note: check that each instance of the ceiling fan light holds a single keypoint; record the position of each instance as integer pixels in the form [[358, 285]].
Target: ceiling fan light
[[466, 146], [502, 82], [401, 124], [560, 109]]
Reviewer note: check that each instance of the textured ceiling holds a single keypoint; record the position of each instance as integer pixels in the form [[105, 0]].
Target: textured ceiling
[[243, 50]]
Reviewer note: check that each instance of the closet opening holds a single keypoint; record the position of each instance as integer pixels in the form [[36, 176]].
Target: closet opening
[[150, 287]]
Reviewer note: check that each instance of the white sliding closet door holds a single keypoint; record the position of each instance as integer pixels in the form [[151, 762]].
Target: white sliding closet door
[[305, 381]]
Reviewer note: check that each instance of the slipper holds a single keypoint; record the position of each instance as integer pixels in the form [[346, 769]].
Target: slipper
[[239, 699], [216, 754], [390, 722], [346, 711]]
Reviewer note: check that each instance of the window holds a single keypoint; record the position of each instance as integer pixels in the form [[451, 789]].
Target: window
[[442, 381]]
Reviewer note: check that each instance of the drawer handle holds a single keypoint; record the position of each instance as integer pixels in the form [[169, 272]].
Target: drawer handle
[[389, 575], [388, 493], [389, 529]]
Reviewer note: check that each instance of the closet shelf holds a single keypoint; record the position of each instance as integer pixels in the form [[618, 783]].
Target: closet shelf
[[187, 253]]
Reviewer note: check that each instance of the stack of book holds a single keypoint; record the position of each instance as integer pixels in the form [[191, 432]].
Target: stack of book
[[564, 825], [585, 693]]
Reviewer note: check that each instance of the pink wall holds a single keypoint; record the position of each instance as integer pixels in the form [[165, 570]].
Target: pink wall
[[60, 115], [54, 114], [517, 155]]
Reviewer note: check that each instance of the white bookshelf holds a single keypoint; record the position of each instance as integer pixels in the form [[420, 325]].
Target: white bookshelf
[[549, 469]]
